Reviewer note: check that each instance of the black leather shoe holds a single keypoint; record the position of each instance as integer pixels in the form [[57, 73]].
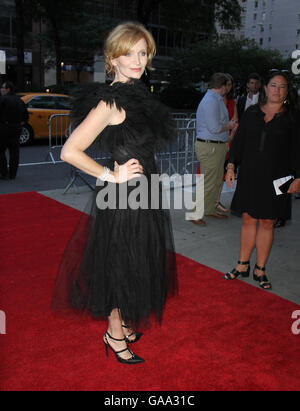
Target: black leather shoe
[[280, 222], [136, 333], [134, 359], [233, 274], [263, 280]]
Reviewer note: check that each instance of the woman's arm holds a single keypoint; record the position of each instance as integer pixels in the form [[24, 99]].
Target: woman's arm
[[235, 118], [295, 186], [86, 133], [235, 114]]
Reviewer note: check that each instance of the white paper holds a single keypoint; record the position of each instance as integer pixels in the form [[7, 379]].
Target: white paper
[[277, 183]]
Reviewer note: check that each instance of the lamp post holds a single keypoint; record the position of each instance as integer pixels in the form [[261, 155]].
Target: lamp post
[[62, 64]]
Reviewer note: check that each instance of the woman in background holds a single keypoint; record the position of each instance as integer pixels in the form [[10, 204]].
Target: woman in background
[[267, 147]]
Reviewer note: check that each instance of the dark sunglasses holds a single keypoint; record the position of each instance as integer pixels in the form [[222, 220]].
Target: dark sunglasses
[[279, 71]]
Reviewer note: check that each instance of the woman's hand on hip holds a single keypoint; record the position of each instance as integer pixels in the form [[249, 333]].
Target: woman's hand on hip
[[131, 169]]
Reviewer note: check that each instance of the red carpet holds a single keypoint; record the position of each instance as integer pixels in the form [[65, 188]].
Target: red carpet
[[216, 335]]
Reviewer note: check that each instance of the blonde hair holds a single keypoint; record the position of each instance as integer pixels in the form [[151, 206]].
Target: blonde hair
[[122, 38]]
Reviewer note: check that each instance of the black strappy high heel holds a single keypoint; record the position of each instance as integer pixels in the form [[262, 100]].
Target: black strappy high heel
[[233, 274], [136, 333], [134, 359], [263, 280]]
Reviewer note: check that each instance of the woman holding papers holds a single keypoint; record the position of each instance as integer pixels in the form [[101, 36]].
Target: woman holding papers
[[267, 148]]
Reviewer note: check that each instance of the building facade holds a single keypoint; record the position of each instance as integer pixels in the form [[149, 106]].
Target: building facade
[[8, 44], [274, 24], [37, 77]]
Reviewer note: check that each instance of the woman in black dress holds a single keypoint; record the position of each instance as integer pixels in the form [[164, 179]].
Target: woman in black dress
[[120, 261], [267, 147]]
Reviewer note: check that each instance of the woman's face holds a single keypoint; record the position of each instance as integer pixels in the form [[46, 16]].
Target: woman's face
[[277, 90], [228, 86], [133, 64]]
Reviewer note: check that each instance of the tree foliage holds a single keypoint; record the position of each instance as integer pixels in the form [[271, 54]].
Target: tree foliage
[[237, 57], [197, 18]]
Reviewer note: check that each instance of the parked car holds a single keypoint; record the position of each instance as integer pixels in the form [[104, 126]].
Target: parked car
[[40, 107]]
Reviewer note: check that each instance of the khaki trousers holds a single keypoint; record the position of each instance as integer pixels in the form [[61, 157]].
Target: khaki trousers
[[211, 157]]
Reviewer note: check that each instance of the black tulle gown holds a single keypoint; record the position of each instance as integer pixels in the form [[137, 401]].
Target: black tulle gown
[[120, 257]]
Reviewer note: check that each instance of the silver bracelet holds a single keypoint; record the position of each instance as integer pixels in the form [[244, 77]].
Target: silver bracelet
[[105, 174]]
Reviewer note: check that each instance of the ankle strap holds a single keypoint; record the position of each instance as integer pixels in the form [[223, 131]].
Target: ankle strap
[[260, 268], [243, 262], [115, 339]]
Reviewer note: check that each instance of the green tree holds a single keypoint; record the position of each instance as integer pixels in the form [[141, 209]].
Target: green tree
[[144, 9], [237, 57], [19, 7], [198, 18]]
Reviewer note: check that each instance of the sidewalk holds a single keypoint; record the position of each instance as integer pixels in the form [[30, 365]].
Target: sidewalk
[[217, 244]]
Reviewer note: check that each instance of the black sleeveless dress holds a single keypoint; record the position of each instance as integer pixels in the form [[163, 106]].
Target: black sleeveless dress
[[265, 152], [121, 256]]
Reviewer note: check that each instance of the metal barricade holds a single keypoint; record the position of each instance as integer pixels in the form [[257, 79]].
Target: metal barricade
[[59, 131], [179, 157], [181, 119]]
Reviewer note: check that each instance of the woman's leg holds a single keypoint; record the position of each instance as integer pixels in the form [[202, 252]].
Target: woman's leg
[[248, 239], [115, 329], [247, 243], [264, 241]]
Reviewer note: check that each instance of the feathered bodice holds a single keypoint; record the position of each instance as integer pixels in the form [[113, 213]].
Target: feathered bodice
[[146, 125]]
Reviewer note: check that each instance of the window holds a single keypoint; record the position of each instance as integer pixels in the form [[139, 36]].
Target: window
[[254, 16], [298, 32], [46, 102], [261, 41], [63, 103], [256, 4]]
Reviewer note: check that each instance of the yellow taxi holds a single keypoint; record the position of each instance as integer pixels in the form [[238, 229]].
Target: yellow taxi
[[41, 106]]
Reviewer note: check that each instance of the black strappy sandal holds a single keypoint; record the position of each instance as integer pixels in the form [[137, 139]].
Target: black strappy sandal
[[233, 274], [263, 280], [134, 359], [136, 333]]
